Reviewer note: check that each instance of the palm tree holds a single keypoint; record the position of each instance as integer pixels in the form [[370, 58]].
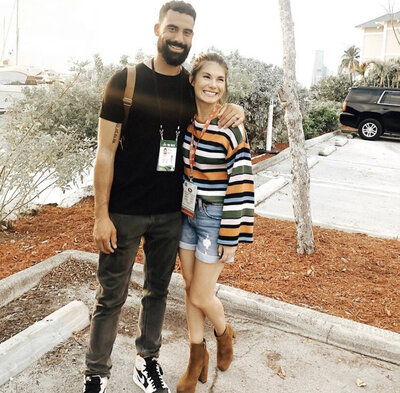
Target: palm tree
[[362, 69], [396, 63], [394, 72], [350, 60], [381, 71]]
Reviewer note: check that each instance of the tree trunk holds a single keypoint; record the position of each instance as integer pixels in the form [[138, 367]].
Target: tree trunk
[[293, 119]]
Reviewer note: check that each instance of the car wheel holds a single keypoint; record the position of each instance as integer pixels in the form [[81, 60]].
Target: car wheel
[[370, 129]]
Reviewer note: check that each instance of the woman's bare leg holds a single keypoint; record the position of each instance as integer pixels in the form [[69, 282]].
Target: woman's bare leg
[[202, 293], [194, 316]]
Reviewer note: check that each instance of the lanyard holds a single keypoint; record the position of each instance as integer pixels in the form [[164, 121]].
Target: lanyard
[[193, 146], [161, 129]]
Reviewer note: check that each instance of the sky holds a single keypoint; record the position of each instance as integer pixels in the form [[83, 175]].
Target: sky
[[55, 32]]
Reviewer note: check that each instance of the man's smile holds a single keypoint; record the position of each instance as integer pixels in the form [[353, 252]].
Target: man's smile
[[175, 48]]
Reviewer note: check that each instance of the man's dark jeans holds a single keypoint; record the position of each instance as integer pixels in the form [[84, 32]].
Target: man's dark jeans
[[161, 233]]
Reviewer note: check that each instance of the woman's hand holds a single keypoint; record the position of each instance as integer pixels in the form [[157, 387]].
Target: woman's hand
[[226, 253], [230, 115]]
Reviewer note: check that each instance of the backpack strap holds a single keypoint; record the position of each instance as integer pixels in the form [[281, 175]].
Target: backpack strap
[[129, 90], [128, 98]]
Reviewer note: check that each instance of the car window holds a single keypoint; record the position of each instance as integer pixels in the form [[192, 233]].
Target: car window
[[363, 95], [12, 78], [391, 98]]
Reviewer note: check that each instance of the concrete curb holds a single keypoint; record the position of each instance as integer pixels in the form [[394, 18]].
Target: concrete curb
[[316, 223], [262, 165], [264, 191], [364, 339], [26, 347], [270, 187], [14, 286], [327, 150], [312, 161], [341, 141]]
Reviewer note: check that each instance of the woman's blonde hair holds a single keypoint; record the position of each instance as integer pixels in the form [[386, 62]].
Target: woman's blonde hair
[[216, 58]]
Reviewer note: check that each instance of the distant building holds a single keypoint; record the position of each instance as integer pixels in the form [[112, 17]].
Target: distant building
[[379, 42], [319, 70]]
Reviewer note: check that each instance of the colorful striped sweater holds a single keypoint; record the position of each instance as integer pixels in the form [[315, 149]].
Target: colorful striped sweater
[[223, 174]]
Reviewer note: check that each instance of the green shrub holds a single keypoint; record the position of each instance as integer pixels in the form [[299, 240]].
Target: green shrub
[[73, 105], [332, 88], [34, 160], [48, 139], [322, 117]]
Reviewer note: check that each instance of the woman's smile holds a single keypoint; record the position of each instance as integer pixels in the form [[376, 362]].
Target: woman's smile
[[209, 83]]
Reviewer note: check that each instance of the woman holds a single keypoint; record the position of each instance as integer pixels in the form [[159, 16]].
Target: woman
[[218, 203]]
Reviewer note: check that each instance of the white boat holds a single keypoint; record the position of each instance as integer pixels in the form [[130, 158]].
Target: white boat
[[13, 80]]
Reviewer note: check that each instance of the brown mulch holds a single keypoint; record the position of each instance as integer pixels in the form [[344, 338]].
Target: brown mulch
[[278, 147], [349, 275], [55, 290]]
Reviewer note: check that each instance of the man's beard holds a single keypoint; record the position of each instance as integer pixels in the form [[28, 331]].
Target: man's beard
[[170, 57]]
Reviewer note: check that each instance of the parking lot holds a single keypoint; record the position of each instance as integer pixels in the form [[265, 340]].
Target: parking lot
[[356, 188]]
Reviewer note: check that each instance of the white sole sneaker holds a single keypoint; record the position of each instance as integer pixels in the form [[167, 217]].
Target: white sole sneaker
[[103, 383], [136, 379]]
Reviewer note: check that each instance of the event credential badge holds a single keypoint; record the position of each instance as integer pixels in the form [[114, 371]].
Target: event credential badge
[[167, 156], [189, 198]]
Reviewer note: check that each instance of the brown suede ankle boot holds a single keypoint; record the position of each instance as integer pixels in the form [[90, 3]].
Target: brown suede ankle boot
[[197, 369], [225, 348]]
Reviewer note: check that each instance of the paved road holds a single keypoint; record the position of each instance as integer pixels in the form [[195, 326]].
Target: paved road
[[356, 188], [261, 352]]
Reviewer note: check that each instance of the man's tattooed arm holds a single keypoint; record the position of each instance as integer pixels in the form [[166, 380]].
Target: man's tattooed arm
[[116, 133]]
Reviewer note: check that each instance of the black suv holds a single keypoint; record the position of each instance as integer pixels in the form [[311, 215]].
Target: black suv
[[373, 110]]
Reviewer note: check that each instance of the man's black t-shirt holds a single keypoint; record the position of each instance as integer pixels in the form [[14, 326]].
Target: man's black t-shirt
[[138, 188]]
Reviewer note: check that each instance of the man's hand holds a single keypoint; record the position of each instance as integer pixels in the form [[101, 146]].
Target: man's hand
[[105, 235], [230, 115], [226, 252]]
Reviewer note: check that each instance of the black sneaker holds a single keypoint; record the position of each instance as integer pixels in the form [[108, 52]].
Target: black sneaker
[[147, 374], [95, 384]]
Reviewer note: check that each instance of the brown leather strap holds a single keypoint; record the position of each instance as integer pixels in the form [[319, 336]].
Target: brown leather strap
[[129, 90]]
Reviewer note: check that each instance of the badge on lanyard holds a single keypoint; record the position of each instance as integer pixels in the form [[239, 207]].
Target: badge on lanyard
[[168, 148], [167, 156], [190, 189], [189, 198]]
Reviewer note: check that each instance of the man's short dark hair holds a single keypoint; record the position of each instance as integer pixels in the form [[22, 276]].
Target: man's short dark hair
[[178, 6]]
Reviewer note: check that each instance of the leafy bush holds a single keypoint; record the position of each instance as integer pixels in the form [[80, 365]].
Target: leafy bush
[[322, 117], [48, 138], [50, 135], [332, 88], [34, 160], [76, 109], [70, 106], [253, 84], [382, 73]]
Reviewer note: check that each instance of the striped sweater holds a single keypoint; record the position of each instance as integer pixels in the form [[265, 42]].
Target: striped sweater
[[222, 173]]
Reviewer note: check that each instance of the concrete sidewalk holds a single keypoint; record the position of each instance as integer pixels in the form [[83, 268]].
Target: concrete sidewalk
[[260, 356], [356, 188], [266, 359]]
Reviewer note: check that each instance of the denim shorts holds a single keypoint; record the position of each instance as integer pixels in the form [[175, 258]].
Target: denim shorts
[[200, 233]]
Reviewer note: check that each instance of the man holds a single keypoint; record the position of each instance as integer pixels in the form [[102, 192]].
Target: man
[[134, 198]]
